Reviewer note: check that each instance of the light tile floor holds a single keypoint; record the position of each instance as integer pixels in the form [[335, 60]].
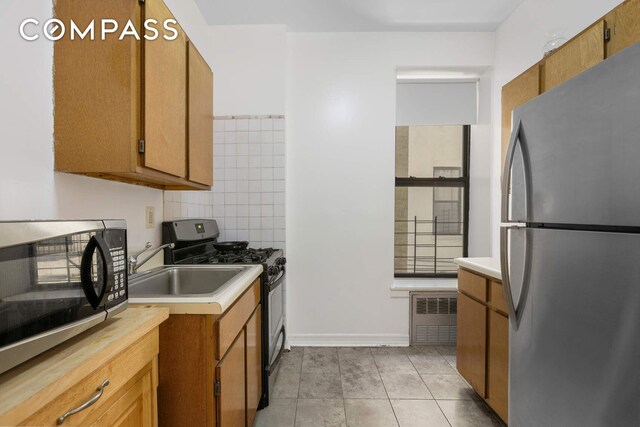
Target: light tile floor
[[373, 387]]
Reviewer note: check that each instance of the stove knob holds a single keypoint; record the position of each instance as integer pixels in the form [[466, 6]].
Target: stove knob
[[281, 261], [273, 270]]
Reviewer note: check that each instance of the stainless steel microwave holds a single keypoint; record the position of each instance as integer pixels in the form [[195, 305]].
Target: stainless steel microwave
[[57, 279]]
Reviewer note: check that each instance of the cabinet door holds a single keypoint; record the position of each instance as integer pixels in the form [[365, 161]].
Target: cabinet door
[[624, 23], [577, 55], [254, 365], [518, 91], [498, 364], [231, 374], [97, 90], [471, 345], [165, 96], [200, 113], [134, 409]]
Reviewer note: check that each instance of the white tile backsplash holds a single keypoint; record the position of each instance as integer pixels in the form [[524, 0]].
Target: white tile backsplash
[[242, 124], [254, 124], [266, 124], [248, 195]]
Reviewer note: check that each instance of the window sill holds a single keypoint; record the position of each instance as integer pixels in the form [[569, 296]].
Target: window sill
[[402, 286]]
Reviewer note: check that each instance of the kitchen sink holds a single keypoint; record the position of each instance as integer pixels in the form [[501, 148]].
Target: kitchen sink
[[182, 281]]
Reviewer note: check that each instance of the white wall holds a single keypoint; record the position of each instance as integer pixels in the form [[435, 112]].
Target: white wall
[[29, 189], [340, 177], [248, 63], [480, 174], [519, 45]]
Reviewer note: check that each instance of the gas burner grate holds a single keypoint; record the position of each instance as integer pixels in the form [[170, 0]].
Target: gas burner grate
[[246, 256]]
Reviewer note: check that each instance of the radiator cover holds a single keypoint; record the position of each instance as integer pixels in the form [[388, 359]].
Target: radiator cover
[[433, 318]]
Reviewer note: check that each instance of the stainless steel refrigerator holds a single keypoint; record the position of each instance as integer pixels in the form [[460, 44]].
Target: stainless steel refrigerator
[[570, 251]]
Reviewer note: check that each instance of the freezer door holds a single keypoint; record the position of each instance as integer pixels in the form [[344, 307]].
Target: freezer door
[[580, 145], [574, 359]]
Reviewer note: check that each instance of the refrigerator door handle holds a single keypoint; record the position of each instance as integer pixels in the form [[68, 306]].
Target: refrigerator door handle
[[515, 310], [517, 137]]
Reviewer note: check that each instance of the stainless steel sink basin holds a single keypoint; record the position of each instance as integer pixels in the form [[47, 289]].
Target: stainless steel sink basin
[[182, 281]]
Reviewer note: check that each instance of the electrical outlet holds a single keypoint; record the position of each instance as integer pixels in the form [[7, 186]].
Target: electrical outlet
[[149, 216]]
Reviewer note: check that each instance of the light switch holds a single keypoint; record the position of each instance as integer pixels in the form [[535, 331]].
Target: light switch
[[149, 216]]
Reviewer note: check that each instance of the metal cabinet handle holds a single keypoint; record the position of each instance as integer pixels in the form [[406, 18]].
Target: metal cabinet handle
[[93, 399]]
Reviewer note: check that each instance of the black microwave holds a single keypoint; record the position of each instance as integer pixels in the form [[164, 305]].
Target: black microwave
[[57, 279]]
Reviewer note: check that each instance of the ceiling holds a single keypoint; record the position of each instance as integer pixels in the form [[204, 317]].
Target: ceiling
[[362, 15]]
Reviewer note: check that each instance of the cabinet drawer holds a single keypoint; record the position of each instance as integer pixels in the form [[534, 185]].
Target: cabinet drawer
[[233, 320], [135, 407], [472, 284], [497, 297], [118, 371]]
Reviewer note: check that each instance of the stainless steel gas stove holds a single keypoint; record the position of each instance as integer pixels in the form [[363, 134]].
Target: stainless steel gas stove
[[196, 242]]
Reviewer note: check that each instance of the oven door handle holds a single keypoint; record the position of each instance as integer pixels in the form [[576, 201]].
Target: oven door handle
[[275, 283], [271, 367]]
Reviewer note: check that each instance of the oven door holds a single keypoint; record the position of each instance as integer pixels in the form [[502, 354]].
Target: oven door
[[53, 288], [277, 335]]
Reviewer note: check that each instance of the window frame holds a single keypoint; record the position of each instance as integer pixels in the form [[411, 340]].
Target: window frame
[[459, 226], [462, 182]]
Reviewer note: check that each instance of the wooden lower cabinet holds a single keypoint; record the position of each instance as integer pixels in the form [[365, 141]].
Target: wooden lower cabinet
[[210, 366], [128, 400], [498, 364], [471, 342], [134, 408], [254, 364], [231, 377], [483, 340]]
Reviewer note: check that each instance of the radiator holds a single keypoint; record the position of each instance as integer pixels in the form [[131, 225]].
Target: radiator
[[433, 318]]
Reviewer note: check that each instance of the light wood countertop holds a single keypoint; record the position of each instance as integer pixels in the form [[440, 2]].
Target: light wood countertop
[[32, 385], [216, 303], [483, 265]]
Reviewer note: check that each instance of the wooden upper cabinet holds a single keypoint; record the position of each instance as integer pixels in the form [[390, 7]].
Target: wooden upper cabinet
[[165, 100], [120, 106], [96, 106], [515, 93], [624, 26], [200, 112], [577, 55]]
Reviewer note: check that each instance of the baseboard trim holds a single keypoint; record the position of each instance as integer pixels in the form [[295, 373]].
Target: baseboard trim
[[348, 340]]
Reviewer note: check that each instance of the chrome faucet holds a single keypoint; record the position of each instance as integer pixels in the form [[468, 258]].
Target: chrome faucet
[[135, 262]]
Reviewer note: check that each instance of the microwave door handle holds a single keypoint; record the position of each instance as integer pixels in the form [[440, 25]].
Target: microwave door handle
[[98, 243], [517, 138]]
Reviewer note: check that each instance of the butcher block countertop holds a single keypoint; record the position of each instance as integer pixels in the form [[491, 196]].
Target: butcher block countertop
[[483, 265], [33, 384]]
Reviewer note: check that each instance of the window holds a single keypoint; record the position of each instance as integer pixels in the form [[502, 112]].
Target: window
[[431, 200], [447, 202]]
